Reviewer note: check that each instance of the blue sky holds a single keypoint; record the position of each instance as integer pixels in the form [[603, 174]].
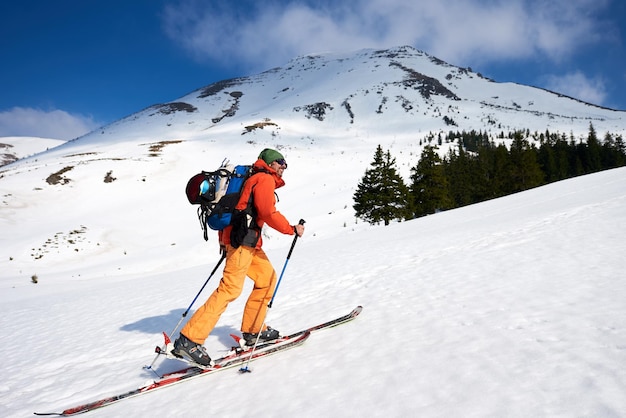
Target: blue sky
[[70, 66]]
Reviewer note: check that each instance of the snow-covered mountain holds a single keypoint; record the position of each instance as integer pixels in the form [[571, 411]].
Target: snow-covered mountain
[[513, 307], [377, 93], [327, 113]]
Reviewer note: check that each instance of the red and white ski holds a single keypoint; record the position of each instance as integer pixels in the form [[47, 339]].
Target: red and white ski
[[235, 358]]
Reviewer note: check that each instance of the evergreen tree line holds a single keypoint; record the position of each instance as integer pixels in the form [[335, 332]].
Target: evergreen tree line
[[478, 170]]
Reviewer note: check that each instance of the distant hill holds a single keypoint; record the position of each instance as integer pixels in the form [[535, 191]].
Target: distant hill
[[12, 148]]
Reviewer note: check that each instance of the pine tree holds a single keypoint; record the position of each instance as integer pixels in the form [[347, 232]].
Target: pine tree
[[591, 155], [457, 168], [526, 171], [429, 187], [382, 195]]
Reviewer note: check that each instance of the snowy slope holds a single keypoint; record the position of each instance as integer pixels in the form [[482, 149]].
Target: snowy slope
[[13, 148], [327, 113], [513, 307]]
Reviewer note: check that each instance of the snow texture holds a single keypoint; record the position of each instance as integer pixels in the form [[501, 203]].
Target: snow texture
[[513, 307]]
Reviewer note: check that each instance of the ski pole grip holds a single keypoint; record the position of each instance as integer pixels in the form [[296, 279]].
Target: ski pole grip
[[293, 244]]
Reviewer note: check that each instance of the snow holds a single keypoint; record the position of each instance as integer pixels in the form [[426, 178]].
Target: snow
[[512, 307], [16, 147]]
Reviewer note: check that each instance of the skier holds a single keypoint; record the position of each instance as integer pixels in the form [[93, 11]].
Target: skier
[[242, 243]]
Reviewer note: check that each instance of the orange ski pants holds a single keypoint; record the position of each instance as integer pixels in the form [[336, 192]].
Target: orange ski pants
[[240, 262]]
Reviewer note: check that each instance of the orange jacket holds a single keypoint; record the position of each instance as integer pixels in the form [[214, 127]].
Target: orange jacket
[[262, 185]]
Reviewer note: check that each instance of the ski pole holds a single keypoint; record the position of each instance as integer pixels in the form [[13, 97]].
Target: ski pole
[[293, 244], [159, 350], [245, 368], [201, 289]]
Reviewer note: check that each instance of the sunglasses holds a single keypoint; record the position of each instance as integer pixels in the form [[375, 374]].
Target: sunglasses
[[282, 163]]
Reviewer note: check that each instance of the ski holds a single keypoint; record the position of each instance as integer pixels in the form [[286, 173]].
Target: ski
[[237, 353], [242, 349], [332, 323], [235, 358], [178, 376]]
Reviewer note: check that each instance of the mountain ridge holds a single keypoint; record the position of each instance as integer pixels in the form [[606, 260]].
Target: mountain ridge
[[327, 113], [425, 88]]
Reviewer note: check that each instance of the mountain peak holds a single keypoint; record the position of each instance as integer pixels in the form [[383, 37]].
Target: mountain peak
[[326, 112], [371, 88]]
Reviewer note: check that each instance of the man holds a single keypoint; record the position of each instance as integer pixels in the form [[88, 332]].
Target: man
[[242, 242]]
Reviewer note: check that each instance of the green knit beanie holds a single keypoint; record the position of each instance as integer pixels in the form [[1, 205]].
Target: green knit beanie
[[270, 155]]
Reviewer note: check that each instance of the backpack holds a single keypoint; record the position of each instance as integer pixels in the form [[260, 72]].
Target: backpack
[[217, 193]]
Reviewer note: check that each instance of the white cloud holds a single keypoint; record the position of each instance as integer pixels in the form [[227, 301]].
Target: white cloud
[[56, 124], [265, 33], [576, 84]]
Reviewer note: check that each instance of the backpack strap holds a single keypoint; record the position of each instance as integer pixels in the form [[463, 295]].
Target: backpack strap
[[202, 217], [245, 230]]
